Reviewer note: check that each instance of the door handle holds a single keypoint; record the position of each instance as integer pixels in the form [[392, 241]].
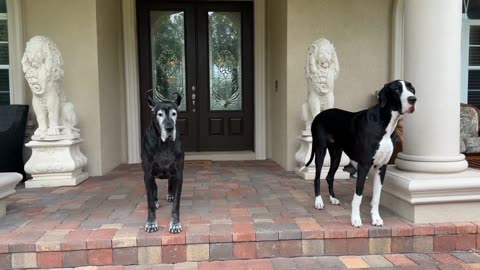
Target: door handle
[[194, 97]]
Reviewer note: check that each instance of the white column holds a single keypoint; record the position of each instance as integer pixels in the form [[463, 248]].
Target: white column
[[431, 182], [433, 31], [130, 54]]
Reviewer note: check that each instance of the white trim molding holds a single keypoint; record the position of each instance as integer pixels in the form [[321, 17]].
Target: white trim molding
[[15, 50], [397, 40], [464, 68], [234, 155], [260, 80], [466, 25], [132, 80]]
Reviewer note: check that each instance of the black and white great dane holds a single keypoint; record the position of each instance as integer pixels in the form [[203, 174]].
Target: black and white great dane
[[366, 137], [163, 157]]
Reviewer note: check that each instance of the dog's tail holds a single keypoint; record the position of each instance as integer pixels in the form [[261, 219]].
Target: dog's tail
[[312, 154]]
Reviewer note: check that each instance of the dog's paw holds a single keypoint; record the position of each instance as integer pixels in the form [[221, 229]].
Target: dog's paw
[[377, 221], [357, 223], [175, 227], [170, 198], [157, 204], [334, 201], [356, 220], [151, 226], [319, 202]]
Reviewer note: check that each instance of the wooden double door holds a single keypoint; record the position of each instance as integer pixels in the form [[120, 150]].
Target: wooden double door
[[204, 52]]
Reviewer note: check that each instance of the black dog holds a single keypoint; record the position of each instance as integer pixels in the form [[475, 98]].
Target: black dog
[[163, 157], [366, 137]]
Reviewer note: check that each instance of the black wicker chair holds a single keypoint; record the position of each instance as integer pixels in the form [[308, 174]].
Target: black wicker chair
[[13, 122]]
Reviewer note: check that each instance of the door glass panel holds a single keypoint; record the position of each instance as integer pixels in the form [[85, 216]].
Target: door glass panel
[[4, 87], [168, 55], [225, 55]]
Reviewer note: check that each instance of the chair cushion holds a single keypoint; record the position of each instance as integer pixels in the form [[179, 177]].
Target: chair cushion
[[468, 122], [472, 144]]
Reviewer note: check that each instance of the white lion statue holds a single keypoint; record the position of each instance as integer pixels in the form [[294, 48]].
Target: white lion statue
[[43, 67], [321, 70]]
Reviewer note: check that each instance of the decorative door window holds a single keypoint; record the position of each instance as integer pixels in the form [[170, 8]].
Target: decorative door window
[[225, 55], [168, 55]]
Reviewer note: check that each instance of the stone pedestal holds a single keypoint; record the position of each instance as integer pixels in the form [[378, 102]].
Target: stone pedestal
[[56, 163], [433, 197], [303, 155]]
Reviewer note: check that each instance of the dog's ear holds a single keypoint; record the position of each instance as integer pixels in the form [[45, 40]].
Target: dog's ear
[[178, 99], [149, 96], [382, 98]]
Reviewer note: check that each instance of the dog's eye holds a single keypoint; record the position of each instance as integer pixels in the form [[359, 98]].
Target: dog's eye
[[160, 114], [174, 114]]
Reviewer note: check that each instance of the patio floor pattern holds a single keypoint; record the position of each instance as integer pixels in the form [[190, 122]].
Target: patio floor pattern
[[229, 211]]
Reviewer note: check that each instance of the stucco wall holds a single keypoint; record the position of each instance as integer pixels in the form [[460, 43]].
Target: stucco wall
[[93, 80], [277, 62], [111, 83], [360, 31]]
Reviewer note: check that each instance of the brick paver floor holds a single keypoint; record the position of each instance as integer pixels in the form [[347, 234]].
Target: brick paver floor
[[229, 210], [214, 194], [407, 261]]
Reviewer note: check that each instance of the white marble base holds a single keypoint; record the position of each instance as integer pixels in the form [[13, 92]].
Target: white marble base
[[303, 155], [55, 164], [8, 182], [429, 197], [56, 179]]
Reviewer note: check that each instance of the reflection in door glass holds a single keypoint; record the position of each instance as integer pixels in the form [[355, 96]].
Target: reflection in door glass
[[168, 54], [225, 60]]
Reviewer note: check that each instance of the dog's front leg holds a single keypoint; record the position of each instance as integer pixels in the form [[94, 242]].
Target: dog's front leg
[[171, 189], [151, 225], [357, 196], [175, 226], [377, 189], [155, 194]]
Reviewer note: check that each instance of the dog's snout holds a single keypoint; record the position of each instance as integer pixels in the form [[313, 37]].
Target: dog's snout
[[169, 128], [411, 100]]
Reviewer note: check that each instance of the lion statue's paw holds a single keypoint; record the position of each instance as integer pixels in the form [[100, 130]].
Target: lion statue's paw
[[40, 132], [53, 131]]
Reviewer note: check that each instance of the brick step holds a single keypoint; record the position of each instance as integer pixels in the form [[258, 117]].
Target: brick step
[[454, 260], [132, 246]]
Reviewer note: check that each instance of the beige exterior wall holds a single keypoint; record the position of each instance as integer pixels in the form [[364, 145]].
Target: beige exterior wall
[[360, 31], [93, 80], [111, 84], [276, 35]]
